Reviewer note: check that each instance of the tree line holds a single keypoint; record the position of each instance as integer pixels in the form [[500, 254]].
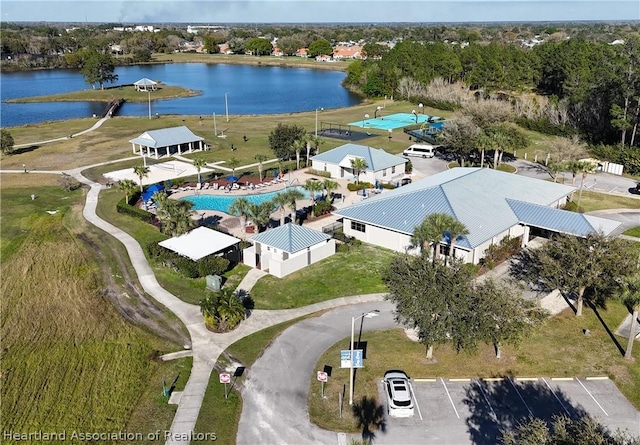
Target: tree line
[[595, 85]]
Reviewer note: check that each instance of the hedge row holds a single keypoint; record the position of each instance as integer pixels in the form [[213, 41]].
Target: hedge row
[[128, 209], [324, 174]]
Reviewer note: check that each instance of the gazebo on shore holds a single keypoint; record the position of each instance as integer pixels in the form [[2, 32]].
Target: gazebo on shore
[[171, 140], [145, 84]]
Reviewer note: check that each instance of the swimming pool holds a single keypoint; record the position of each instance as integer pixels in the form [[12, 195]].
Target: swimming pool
[[393, 121], [221, 203]]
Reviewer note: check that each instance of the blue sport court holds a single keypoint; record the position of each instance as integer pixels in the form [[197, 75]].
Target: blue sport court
[[393, 121]]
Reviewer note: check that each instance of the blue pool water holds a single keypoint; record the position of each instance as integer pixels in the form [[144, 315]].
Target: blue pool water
[[392, 121], [221, 203]]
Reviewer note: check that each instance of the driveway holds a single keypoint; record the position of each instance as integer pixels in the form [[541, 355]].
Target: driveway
[[274, 408]]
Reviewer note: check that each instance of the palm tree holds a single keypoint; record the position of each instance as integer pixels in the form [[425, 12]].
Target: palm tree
[[438, 223], [574, 167], [293, 195], [554, 169], [230, 310], [240, 207], [358, 165], [260, 158], [423, 235], [261, 213], [328, 186], [233, 163], [198, 163], [313, 187], [180, 221], [484, 142], [127, 186], [455, 229], [142, 171], [281, 200], [316, 141], [584, 168], [631, 297], [298, 145]]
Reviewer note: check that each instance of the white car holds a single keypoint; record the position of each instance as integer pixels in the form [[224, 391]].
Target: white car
[[399, 396]]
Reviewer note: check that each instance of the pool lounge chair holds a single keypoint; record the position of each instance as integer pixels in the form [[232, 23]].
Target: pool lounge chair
[[198, 186], [235, 186], [205, 186], [215, 185]]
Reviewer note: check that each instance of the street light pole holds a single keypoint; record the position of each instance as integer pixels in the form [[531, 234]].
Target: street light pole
[[371, 314], [226, 106], [317, 119], [149, 92]]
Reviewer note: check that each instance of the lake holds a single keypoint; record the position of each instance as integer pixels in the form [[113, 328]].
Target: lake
[[249, 89]]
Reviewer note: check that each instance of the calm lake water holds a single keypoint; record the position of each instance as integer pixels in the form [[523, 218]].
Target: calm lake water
[[249, 90]]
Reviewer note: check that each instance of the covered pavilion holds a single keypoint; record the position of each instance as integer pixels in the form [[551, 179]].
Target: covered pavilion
[[145, 84], [169, 140], [202, 242]]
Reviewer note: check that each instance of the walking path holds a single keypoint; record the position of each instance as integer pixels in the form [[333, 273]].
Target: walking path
[[96, 125], [206, 346]]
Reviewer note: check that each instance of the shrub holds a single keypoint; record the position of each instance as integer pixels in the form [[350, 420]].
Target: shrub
[[544, 126], [321, 208], [573, 207], [313, 171], [212, 265], [352, 186], [408, 167], [387, 185], [496, 253]]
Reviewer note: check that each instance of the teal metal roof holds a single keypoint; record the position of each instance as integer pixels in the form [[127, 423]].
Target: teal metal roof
[[479, 198], [377, 159], [290, 238], [166, 137]]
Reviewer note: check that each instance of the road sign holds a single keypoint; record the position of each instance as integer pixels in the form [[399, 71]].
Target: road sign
[[357, 358], [225, 378], [322, 376]]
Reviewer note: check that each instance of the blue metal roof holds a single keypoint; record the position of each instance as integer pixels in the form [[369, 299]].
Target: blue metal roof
[[166, 137], [476, 197], [560, 220], [376, 158], [290, 238]]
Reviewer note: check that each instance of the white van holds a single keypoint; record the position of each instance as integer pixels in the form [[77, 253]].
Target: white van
[[424, 151]]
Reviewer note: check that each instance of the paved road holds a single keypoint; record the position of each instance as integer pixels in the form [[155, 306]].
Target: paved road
[[274, 407]]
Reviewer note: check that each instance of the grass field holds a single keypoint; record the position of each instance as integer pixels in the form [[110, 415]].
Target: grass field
[[558, 350], [69, 360], [128, 93], [346, 273]]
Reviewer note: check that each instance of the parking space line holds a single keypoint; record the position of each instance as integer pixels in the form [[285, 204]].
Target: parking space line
[[459, 380], [415, 400], [556, 396], [527, 379], [424, 380], [486, 399], [594, 399], [520, 395], [598, 378], [561, 379], [493, 379], [450, 400]]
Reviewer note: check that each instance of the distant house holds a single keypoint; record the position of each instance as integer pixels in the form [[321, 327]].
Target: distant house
[[347, 52], [381, 166], [286, 249], [302, 52], [491, 204]]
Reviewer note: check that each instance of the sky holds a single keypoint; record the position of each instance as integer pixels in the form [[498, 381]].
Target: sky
[[316, 11]]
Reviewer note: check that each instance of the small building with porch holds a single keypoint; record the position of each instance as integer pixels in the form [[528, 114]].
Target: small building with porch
[[381, 166], [166, 142], [287, 249]]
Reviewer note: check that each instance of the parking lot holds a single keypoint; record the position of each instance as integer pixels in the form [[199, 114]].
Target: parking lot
[[473, 411]]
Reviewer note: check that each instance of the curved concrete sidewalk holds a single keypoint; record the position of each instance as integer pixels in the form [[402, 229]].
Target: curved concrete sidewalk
[[206, 346], [93, 127]]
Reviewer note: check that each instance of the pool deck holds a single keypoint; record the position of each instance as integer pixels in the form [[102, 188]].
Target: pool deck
[[297, 178]]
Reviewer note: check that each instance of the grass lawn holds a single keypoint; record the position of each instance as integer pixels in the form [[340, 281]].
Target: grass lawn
[[559, 349], [592, 201], [354, 272], [128, 93], [635, 231]]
